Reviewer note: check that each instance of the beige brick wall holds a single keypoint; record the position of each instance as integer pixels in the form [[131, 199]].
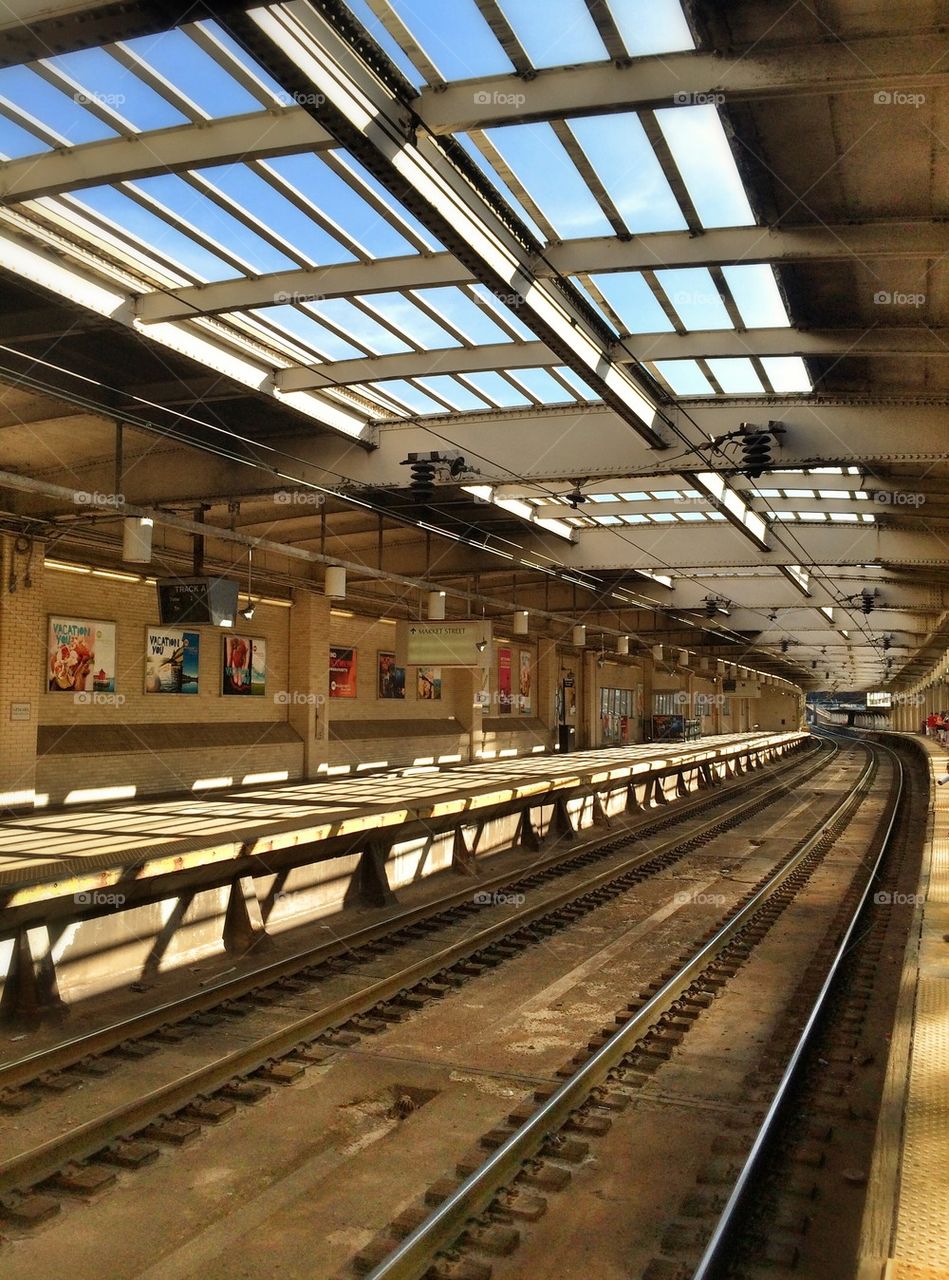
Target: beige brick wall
[[134, 607]]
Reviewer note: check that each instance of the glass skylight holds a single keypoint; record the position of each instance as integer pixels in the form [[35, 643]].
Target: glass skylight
[[634, 302], [118, 87], [16, 142], [539, 383], [703, 156], [692, 292], [575, 381], [684, 377], [537, 156], [489, 171], [557, 33], [195, 73], [460, 310], [787, 374], [651, 26], [497, 389], [409, 319], [757, 296], [627, 165], [362, 328], [456, 393], [404, 392], [59, 112], [456, 38], [736, 376], [310, 331]]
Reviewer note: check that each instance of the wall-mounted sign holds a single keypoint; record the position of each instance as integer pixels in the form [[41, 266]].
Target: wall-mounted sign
[[81, 656], [244, 670], [342, 672], [444, 644], [20, 711], [882, 699], [171, 660], [524, 684]]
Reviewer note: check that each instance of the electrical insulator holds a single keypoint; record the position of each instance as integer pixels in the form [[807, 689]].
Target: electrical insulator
[[785, 645], [756, 453], [866, 602], [423, 480]]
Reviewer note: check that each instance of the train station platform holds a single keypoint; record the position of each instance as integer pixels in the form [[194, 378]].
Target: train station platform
[[202, 872], [906, 1225]]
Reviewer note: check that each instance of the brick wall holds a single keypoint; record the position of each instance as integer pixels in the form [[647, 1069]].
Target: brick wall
[[22, 627]]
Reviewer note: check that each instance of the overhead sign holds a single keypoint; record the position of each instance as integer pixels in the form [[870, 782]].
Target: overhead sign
[[882, 699], [444, 644]]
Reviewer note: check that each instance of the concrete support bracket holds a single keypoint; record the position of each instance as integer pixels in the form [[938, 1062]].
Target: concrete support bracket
[[31, 991]]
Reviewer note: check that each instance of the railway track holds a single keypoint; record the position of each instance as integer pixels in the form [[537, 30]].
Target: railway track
[[86, 1157]]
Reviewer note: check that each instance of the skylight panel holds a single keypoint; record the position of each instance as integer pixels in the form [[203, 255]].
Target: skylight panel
[[691, 517], [736, 377], [635, 518], [540, 161], [662, 517], [194, 73], [557, 33], [757, 297], [633, 301], [154, 233], [240, 55], [787, 374], [704, 158], [575, 381], [366, 179], [835, 493], [16, 142], [814, 517], [310, 331], [492, 175], [261, 200], [456, 393], [409, 319], [202, 213], [455, 37], [607, 520], [362, 328], [509, 318], [118, 87], [539, 383], [603, 497], [58, 111], [466, 316], [410, 396], [333, 196], [497, 389], [651, 26], [839, 517], [635, 497], [868, 519], [692, 292], [627, 165], [714, 515], [684, 377], [380, 33]]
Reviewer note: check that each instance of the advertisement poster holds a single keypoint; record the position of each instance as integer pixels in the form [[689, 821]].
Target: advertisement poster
[[391, 677], [244, 671], [171, 660], [81, 656], [504, 682], [524, 686], [342, 673], [428, 684]]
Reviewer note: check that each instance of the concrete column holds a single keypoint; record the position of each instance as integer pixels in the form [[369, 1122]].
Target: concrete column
[[23, 670], [589, 725], [470, 710], [308, 705], [547, 678]]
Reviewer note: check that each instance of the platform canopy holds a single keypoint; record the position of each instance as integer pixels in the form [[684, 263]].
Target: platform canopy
[[255, 257]]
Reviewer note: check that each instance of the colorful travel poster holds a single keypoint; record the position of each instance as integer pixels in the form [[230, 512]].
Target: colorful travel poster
[[342, 672], [504, 682], [171, 660], [80, 656], [428, 684], [524, 683], [244, 670], [391, 677]]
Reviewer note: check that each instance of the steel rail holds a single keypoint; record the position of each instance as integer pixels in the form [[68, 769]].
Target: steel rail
[[717, 1255], [412, 1258]]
